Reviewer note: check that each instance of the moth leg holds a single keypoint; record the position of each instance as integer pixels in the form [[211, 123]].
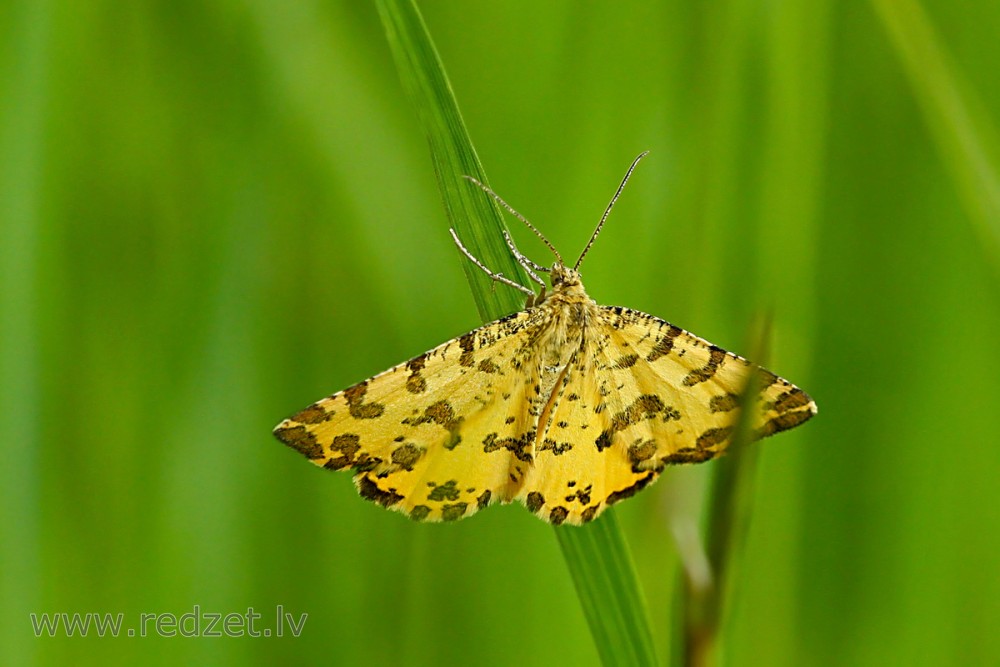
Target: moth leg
[[525, 262]]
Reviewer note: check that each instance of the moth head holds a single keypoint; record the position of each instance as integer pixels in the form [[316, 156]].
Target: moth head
[[563, 276]]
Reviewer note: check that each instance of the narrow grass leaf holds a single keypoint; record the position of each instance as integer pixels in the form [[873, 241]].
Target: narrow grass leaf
[[961, 129], [474, 216], [705, 599], [597, 556], [599, 561]]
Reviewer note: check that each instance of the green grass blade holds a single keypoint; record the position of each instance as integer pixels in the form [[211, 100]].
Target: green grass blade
[[961, 129], [598, 559], [596, 555], [23, 116], [704, 600], [474, 216]]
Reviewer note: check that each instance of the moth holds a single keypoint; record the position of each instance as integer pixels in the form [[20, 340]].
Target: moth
[[566, 406]]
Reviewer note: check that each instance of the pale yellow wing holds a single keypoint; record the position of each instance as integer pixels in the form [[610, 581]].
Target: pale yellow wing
[[640, 394], [440, 436]]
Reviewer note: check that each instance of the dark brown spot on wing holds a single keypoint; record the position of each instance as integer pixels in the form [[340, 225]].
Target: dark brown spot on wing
[[534, 501], [417, 364], [713, 437], [368, 411], [630, 491], [603, 441], [370, 491], [724, 403], [364, 463], [446, 491], [406, 456], [440, 413], [356, 405], [487, 366], [348, 445], [647, 406], [356, 394], [641, 450], [556, 448], [415, 383], [689, 455], [453, 511], [558, 515], [664, 344], [791, 399], [484, 500], [581, 496], [626, 361], [468, 345], [716, 357], [783, 422], [300, 439], [519, 446], [314, 414], [767, 377]]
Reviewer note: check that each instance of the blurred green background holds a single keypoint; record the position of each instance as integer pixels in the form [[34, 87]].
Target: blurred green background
[[214, 213]]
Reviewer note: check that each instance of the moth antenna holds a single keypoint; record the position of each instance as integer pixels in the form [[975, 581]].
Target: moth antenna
[[487, 190], [496, 277], [524, 261], [604, 217]]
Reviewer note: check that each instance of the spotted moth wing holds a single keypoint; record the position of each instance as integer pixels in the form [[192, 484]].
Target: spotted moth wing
[[440, 436], [641, 394]]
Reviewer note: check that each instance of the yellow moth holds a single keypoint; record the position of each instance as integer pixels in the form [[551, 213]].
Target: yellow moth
[[566, 406]]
